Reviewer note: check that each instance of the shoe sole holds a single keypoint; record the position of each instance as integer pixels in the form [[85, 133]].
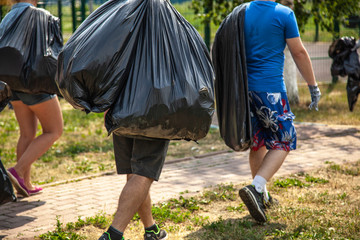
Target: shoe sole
[[164, 238], [17, 185], [250, 201]]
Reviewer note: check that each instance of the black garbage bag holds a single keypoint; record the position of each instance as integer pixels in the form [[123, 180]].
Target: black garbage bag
[[353, 90], [339, 51], [5, 95], [232, 99], [346, 62], [145, 62], [28, 52], [6, 189], [352, 65]]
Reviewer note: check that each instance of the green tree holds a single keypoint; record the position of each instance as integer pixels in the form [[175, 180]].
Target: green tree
[[325, 13], [330, 13]]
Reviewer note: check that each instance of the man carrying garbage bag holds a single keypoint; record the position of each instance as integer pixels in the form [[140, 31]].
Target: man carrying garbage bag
[[144, 65], [254, 37]]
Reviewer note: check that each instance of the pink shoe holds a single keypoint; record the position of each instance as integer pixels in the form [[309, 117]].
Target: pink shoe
[[18, 182], [35, 191]]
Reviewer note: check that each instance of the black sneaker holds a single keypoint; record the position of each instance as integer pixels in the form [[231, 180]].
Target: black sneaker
[[106, 236], [254, 201], [152, 235]]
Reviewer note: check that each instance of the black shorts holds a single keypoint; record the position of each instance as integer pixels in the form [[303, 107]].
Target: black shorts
[[138, 156], [31, 99]]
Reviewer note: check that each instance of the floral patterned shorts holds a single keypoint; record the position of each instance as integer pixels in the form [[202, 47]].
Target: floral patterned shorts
[[272, 121]]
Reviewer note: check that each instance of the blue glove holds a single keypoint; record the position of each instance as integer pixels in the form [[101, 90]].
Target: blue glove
[[315, 97]]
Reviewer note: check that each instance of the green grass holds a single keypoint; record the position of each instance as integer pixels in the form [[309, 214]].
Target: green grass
[[333, 106]]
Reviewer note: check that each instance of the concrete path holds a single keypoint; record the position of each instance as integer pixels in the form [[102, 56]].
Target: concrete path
[[317, 144]]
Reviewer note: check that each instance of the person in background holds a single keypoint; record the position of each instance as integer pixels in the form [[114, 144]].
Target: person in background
[[268, 28], [30, 109]]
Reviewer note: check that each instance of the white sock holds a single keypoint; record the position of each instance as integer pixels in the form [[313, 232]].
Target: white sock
[[266, 194], [259, 182]]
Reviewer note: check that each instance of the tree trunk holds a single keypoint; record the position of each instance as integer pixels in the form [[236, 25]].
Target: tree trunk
[[290, 68], [290, 78]]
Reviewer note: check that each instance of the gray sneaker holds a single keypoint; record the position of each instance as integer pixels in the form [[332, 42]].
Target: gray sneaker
[[152, 235], [254, 201]]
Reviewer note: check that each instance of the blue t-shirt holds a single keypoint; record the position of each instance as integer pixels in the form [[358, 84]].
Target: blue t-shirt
[[267, 26], [15, 11]]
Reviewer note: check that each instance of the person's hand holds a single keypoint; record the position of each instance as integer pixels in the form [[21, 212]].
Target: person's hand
[[315, 97]]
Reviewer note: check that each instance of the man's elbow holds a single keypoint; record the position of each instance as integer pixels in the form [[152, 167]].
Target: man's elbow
[[299, 54]]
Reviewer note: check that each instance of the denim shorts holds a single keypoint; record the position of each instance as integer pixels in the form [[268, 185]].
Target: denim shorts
[[138, 156], [272, 121], [31, 99]]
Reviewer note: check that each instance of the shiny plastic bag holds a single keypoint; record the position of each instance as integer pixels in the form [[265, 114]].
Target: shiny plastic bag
[[232, 100], [346, 62], [145, 62], [28, 52], [6, 189], [5, 95], [340, 51], [353, 91]]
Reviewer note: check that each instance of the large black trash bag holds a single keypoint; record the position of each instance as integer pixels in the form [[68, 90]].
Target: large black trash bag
[[346, 62], [145, 62], [339, 51], [232, 100], [5, 95], [28, 52], [6, 189]]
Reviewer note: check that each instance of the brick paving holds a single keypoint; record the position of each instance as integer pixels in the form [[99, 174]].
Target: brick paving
[[29, 217]]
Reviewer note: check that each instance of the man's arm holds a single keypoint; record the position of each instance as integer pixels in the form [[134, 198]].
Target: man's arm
[[303, 63], [301, 59]]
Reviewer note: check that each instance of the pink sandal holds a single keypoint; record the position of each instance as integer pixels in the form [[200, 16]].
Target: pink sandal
[[18, 182], [35, 191]]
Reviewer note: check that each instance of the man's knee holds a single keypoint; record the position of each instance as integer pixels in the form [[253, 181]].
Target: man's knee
[[139, 178]]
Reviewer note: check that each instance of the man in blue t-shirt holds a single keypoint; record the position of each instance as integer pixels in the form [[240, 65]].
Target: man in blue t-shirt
[[268, 28]]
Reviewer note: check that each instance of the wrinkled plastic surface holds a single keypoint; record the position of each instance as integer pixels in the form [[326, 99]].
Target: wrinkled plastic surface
[[29, 50], [353, 90], [145, 62], [6, 189], [346, 62], [340, 51], [231, 81], [5, 95]]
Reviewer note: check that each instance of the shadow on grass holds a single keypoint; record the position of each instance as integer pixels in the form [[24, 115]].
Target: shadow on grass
[[331, 87], [236, 229]]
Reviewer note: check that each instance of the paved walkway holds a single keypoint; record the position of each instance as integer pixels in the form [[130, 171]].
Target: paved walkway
[[32, 216]]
